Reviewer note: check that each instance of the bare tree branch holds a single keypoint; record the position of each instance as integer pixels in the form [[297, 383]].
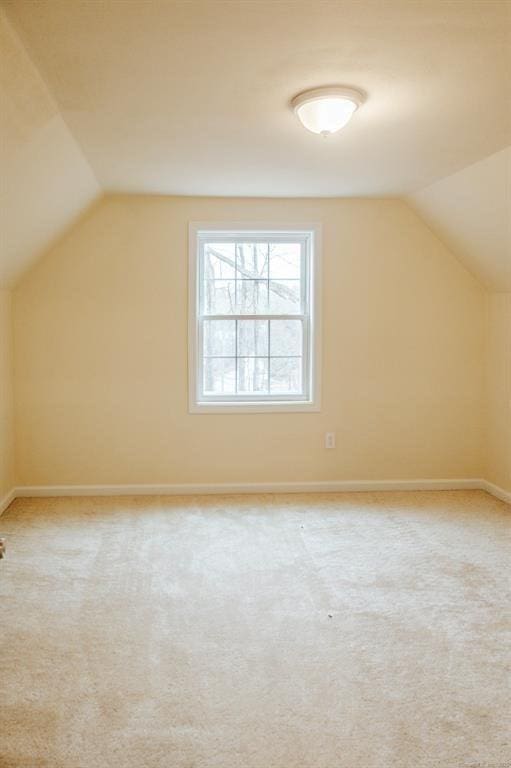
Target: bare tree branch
[[279, 289]]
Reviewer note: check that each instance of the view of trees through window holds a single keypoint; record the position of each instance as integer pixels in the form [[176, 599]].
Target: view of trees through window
[[253, 313]]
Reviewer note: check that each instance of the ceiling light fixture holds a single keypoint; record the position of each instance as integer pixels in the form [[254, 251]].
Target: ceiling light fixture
[[326, 110]]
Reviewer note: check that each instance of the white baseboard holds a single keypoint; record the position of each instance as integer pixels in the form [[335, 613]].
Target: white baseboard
[[6, 500], [321, 486], [187, 489], [495, 490]]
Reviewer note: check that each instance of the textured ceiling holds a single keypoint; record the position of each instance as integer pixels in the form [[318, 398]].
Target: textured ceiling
[[193, 97], [471, 213], [45, 181]]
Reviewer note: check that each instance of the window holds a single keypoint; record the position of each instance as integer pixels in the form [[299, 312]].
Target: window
[[253, 326]]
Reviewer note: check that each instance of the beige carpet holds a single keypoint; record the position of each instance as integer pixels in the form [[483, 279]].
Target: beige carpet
[[321, 631]]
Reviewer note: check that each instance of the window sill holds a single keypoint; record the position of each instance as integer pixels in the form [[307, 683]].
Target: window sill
[[283, 406]]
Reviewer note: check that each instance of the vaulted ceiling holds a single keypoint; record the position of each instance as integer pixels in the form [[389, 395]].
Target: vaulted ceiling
[[192, 97], [45, 180], [471, 213]]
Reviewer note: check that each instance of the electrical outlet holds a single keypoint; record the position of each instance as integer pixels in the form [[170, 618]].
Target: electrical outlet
[[329, 439]]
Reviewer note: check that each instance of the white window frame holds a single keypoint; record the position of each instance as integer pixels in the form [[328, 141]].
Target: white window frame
[[310, 235]]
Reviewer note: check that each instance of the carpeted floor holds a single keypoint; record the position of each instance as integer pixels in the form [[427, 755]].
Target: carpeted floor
[[318, 631]]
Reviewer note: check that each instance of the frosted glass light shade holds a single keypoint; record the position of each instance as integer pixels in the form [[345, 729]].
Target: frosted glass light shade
[[326, 110]]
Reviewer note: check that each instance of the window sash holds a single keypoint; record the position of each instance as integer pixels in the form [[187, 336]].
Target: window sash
[[235, 238], [302, 396]]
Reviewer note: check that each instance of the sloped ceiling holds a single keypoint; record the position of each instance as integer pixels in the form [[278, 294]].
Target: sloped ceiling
[[470, 212], [193, 98], [45, 180]]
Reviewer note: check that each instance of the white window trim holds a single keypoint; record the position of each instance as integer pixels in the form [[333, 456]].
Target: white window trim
[[313, 404]]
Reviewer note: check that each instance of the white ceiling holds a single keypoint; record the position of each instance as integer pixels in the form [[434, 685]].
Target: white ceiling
[[471, 213], [45, 181], [193, 97]]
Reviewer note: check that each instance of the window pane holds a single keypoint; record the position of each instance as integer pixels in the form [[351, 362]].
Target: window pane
[[252, 338], [219, 297], [286, 337], [219, 337], [219, 261], [285, 260], [285, 297], [252, 297], [252, 260], [252, 374], [219, 375], [285, 375]]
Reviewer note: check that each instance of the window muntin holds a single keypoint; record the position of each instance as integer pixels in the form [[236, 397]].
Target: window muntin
[[253, 318]]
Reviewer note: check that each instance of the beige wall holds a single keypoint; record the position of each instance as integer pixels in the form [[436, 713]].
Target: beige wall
[[7, 474], [498, 417], [101, 354]]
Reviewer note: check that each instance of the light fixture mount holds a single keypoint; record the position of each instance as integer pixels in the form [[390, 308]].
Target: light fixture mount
[[326, 110]]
